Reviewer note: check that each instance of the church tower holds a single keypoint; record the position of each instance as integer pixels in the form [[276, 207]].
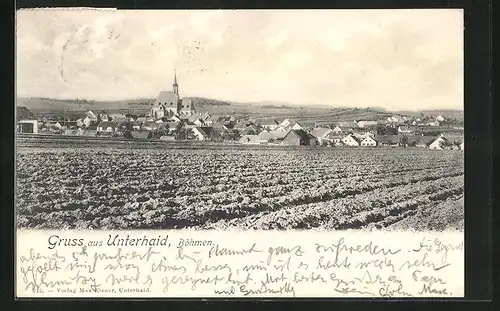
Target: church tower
[[176, 86]]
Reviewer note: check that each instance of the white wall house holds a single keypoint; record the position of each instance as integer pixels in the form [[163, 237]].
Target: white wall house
[[337, 130], [437, 144], [199, 133], [351, 141], [368, 141], [27, 126]]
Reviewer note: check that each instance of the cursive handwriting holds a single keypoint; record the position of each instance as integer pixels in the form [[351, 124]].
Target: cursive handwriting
[[342, 266]]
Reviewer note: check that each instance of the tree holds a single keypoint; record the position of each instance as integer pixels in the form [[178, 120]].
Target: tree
[[403, 141]]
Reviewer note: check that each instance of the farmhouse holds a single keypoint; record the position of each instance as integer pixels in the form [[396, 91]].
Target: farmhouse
[[89, 133], [250, 139], [141, 134], [168, 103], [118, 118], [136, 125], [405, 130], [298, 138], [297, 126], [27, 126], [91, 116], [210, 121], [337, 130], [106, 127], [167, 137], [366, 123], [269, 125], [150, 126], [321, 134], [351, 140], [285, 124], [439, 143], [334, 138], [368, 141], [202, 133], [388, 140]]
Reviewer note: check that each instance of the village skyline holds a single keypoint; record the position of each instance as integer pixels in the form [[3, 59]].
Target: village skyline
[[390, 59]]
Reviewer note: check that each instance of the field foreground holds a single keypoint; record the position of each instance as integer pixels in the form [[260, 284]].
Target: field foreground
[[102, 186]]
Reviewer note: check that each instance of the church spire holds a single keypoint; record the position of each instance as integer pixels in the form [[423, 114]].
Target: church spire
[[176, 86]]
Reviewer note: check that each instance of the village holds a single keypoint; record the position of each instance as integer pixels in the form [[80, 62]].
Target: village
[[172, 118]]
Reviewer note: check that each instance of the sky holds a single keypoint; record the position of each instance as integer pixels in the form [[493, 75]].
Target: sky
[[395, 59]]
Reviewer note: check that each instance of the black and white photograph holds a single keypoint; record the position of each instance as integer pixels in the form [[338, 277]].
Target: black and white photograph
[[240, 119]]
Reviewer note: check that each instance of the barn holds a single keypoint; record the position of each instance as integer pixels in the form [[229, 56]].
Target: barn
[[297, 138]]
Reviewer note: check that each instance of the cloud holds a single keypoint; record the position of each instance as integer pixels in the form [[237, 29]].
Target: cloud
[[389, 58]]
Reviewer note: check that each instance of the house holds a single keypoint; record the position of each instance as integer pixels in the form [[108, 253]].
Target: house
[[387, 140], [118, 117], [167, 137], [335, 139], [91, 116], [250, 140], [106, 127], [346, 124], [321, 134], [71, 132], [351, 141], [199, 122], [141, 134], [368, 141], [405, 130], [462, 146], [285, 124], [80, 123], [433, 123], [87, 121], [136, 125], [103, 116], [174, 119], [190, 125], [202, 133], [149, 126], [440, 119], [297, 138], [297, 126], [439, 143], [250, 130], [395, 120], [269, 124], [337, 130], [366, 123], [273, 136], [144, 119], [210, 121], [27, 126], [23, 113], [53, 125]]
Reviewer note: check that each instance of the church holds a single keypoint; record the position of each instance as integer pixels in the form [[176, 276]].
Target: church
[[168, 104]]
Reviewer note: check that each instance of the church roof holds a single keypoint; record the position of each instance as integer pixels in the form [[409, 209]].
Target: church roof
[[166, 96]]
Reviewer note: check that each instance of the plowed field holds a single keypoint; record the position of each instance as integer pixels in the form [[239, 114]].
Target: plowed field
[[96, 185]]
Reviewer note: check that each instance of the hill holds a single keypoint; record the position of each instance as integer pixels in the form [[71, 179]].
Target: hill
[[446, 113], [305, 114]]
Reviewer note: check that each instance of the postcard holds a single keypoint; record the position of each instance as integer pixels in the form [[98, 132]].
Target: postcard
[[239, 153]]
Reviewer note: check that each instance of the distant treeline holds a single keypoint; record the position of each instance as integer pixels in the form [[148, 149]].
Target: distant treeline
[[276, 107]]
